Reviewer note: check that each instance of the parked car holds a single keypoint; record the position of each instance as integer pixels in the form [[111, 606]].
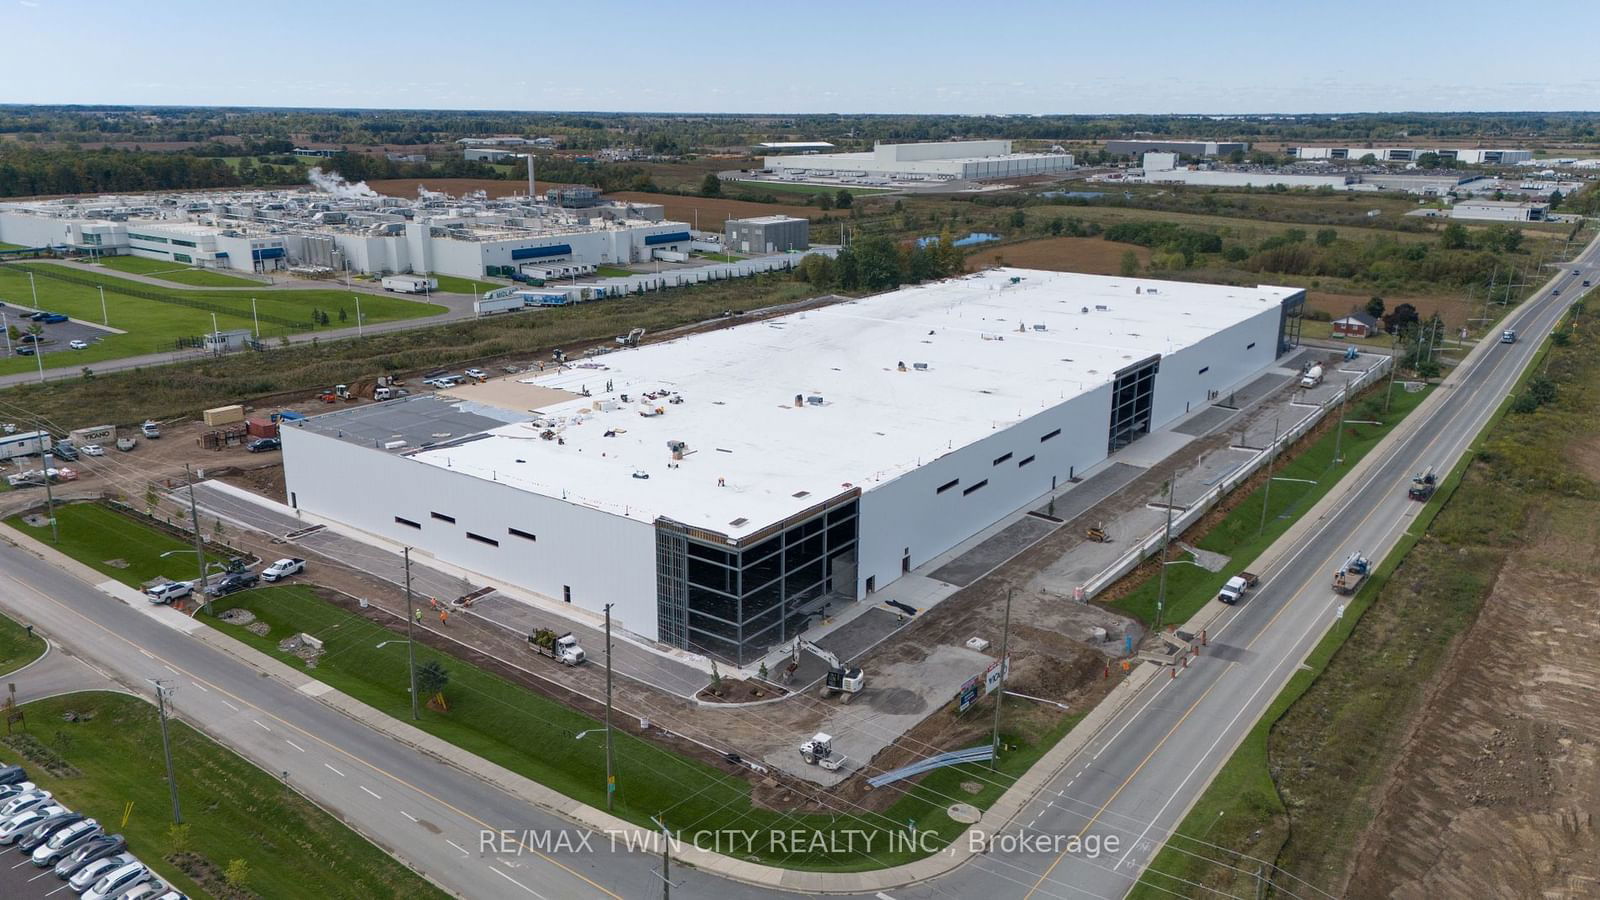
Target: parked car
[[166, 593], [93, 450], [23, 802], [92, 872], [7, 791], [30, 338], [150, 890], [12, 774], [41, 832], [96, 848], [150, 429], [65, 840], [78, 345], [126, 444], [477, 373], [64, 451], [116, 881], [24, 350], [12, 829], [263, 445], [54, 319], [38, 316], [236, 582], [283, 568]]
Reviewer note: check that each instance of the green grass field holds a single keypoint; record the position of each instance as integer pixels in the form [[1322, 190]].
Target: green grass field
[[1298, 484], [613, 272], [6, 246], [174, 272], [526, 733], [151, 325], [111, 765], [17, 646], [95, 536]]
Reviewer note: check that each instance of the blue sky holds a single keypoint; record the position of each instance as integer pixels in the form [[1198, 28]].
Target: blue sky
[[934, 56]]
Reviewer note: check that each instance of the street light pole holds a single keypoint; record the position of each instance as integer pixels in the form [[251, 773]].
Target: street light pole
[[49, 494], [1338, 436], [411, 640], [1266, 492], [1166, 542], [1000, 696], [199, 543], [1394, 363], [166, 748], [105, 318], [35, 289], [611, 783], [254, 317]]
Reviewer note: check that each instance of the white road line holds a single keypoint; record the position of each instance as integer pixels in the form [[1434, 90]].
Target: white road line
[[40, 875], [169, 669], [147, 654], [882, 896], [408, 815], [24, 862], [57, 891], [514, 881], [333, 770], [201, 686], [230, 706], [294, 745], [369, 790], [464, 851], [263, 727]]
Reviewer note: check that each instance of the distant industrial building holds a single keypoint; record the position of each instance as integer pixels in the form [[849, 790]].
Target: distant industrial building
[[794, 146], [767, 234], [486, 154], [1139, 146], [1500, 211], [355, 230], [1465, 155], [720, 491], [1162, 168], [944, 161]]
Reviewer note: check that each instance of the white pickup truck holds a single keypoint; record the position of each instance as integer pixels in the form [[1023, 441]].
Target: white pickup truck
[[1237, 587]]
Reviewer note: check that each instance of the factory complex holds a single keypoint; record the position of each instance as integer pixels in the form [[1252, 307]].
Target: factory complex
[[720, 490], [1139, 147], [1473, 156], [337, 227], [938, 161]]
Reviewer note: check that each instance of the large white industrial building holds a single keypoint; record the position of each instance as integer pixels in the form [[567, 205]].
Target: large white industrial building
[[719, 489], [942, 161], [354, 229], [1475, 156]]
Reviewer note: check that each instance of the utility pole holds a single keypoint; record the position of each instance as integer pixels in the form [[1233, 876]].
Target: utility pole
[[1000, 695], [49, 494], [611, 778], [1338, 435], [1266, 493], [166, 748], [1166, 541], [1394, 363], [105, 318], [199, 544], [666, 859], [411, 636]]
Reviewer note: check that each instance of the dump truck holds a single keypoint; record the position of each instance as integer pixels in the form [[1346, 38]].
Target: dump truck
[[1352, 574], [1423, 484], [1237, 587], [1312, 377], [562, 647]]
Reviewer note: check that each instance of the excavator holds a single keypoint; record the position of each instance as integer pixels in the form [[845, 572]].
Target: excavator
[[846, 682]]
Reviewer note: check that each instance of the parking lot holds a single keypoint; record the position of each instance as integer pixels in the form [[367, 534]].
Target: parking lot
[[53, 338]]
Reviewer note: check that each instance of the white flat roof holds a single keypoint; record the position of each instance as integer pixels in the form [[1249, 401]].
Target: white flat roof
[[754, 458]]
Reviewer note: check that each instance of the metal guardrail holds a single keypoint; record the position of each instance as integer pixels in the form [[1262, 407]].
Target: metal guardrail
[[953, 758]]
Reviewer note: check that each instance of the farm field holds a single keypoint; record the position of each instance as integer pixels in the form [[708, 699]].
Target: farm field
[[150, 325], [1092, 256], [174, 272], [710, 211]]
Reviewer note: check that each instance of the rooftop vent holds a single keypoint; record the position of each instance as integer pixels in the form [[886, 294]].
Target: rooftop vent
[[798, 494], [1101, 307], [920, 367], [739, 521], [814, 399]]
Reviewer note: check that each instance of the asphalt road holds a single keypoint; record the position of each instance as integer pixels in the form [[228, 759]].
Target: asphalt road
[[1134, 782], [1140, 778]]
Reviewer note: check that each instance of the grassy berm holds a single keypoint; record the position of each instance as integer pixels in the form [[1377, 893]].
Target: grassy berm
[[170, 391]]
